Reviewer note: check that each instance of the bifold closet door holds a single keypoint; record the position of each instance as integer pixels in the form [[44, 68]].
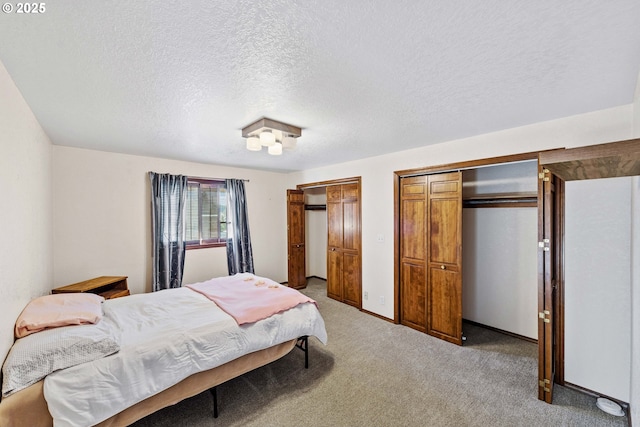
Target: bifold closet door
[[296, 240], [343, 244], [444, 257], [413, 252], [431, 254], [548, 276]]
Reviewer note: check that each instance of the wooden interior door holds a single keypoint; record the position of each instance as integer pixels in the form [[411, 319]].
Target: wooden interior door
[[413, 252], [296, 239], [444, 256], [547, 283]]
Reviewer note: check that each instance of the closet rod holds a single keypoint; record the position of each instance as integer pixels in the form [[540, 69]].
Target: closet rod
[[315, 207], [500, 202]]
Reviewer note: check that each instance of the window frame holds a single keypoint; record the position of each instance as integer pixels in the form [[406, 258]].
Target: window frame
[[204, 243]]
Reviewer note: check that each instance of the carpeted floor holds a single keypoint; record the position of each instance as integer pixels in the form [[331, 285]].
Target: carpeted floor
[[375, 373]]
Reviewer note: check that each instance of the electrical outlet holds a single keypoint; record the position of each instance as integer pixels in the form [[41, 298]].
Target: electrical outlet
[[380, 238], [366, 295], [381, 300]]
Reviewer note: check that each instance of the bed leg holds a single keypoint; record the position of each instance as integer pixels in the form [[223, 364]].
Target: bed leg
[[214, 393], [303, 344]]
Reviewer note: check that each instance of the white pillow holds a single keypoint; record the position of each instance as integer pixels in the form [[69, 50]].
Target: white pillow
[[35, 356]]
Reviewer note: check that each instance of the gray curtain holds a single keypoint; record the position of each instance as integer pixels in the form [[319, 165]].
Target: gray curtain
[[239, 253], [168, 194]]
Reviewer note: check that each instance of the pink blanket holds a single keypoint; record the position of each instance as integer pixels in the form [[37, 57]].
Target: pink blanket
[[249, 298]]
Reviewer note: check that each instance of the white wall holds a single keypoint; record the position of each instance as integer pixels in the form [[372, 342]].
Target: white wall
[[635, 299], [598, 285], [377, 180], [102, 219], [635, 272], [25, 217]]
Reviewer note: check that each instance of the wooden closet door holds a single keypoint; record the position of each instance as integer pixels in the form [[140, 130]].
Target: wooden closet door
[[351, 241], [413, 252], [548, 262], [444, 256], [334, 242], [296, 239], [344, 281]]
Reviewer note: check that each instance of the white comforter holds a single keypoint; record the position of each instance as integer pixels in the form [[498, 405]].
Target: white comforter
[[165, 337]]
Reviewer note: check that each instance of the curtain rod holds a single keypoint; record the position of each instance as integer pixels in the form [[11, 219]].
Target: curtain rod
[[218, 179], [212, 179]]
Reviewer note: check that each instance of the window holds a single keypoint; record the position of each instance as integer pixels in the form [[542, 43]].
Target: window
[[206, 213]]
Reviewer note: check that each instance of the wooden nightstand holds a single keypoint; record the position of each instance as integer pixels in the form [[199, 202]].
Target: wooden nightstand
[[106, 286]]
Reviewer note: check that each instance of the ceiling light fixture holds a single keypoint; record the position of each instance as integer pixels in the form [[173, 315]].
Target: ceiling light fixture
[[272, 134]]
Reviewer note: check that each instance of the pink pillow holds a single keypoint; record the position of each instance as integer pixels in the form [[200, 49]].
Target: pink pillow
[[51, 311]]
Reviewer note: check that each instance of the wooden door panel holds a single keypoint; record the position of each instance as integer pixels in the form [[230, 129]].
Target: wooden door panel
[[444, 257], [297, 276], [444, 231], [296, 219], [334, 224], [413, 252], [350, 192], [296, 270], [413, 229], [444, 305], [351, 293], [334, 274], [334, 193], [443, 187], [413, 299], [413, 188], [351, 225]]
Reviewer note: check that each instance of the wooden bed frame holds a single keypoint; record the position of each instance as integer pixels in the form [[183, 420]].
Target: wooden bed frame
[[28, 408]]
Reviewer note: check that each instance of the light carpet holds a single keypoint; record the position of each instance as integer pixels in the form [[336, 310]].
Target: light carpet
[[375, 373]]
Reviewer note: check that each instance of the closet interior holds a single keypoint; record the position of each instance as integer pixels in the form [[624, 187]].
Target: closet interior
[[493, 219], [315, 204], [500, 244]]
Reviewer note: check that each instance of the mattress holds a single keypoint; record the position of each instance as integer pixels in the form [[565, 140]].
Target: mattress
[[165, 337], [27, 407]]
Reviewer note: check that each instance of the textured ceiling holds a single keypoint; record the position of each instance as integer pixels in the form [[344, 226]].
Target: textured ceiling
[[180, 79]]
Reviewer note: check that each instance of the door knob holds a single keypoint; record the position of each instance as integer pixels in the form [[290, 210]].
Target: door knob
[[444, 267]]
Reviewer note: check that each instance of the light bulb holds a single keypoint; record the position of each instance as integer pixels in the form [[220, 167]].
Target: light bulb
[[253, 143], [289, 143], [275, 149], [267, 138]]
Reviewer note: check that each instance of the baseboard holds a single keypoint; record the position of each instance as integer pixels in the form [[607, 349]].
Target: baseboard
[[625, 406], [511, 334], [308, 277], [376, 315], [362, 309], [590, 392]]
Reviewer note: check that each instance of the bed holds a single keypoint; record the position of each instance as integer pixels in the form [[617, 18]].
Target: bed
[[161, 358]]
